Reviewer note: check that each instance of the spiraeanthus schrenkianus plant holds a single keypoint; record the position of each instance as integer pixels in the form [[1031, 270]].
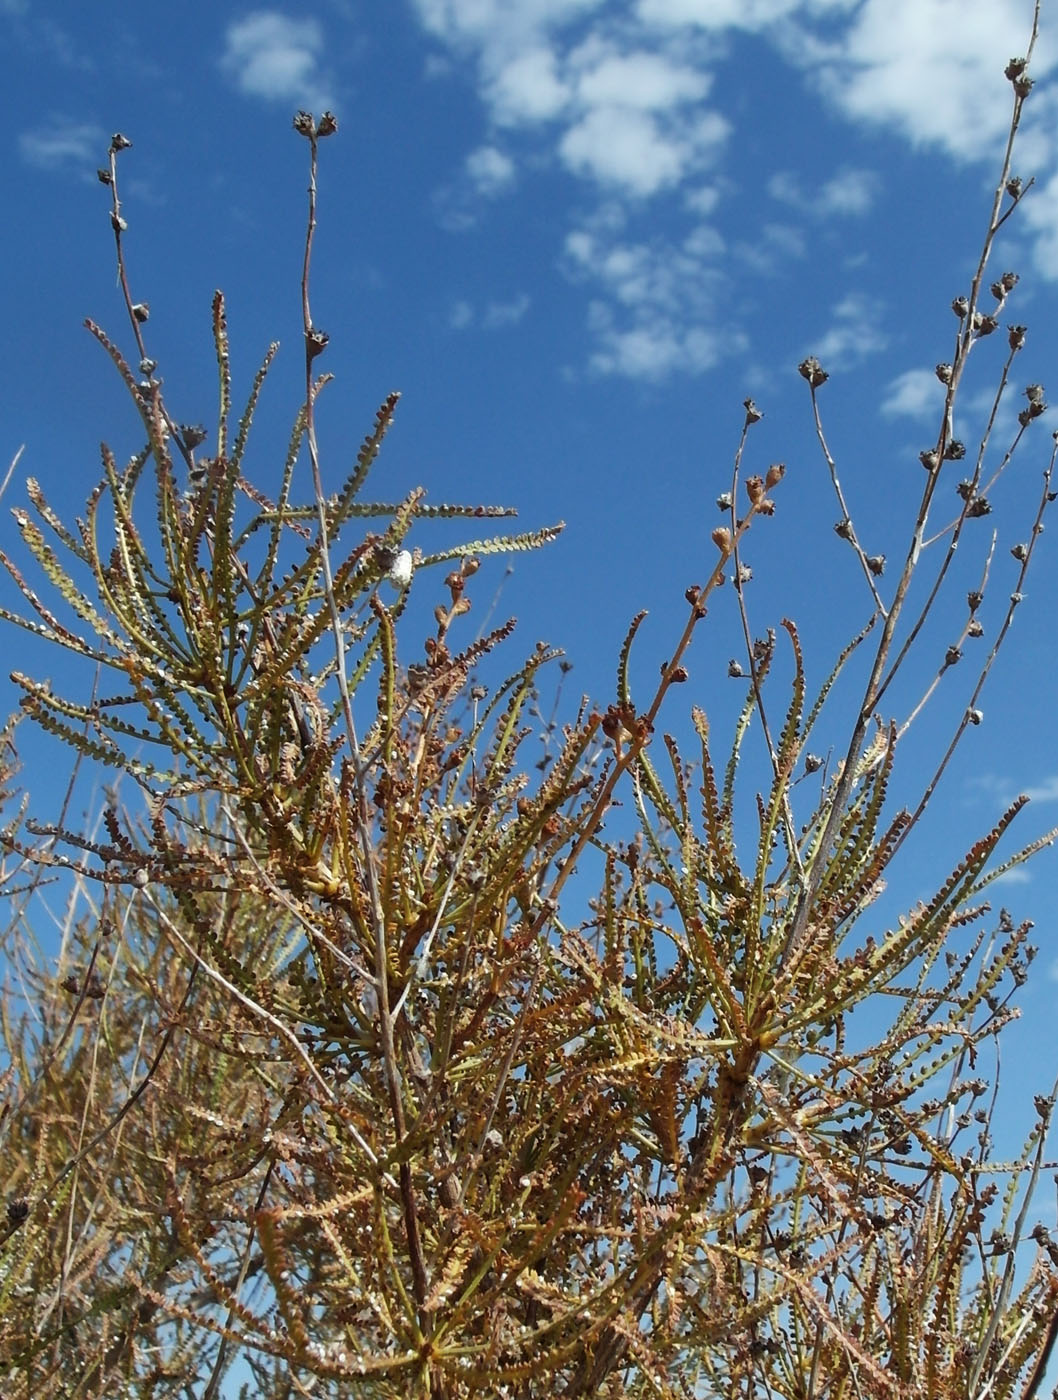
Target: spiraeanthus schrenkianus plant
[[341, 1086]]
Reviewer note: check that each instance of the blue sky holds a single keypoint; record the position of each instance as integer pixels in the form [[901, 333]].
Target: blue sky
[[576, 234]]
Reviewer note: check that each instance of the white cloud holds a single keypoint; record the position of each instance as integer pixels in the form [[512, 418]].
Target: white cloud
[[64, 145], [621, 147], [277, 58], [527, 88], [490, 170], [848, 191], [618, 95], [931, 68], [656, 315], [652, 350], [461, 315], [1040, 213], [505, 313], [729, 14], [773, 246], [495, 316], [1047, 791], [642, 80], [498, 24], [853, 334], [917, 393]]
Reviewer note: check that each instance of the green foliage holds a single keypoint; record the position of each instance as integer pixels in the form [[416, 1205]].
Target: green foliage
[[341, 1082]]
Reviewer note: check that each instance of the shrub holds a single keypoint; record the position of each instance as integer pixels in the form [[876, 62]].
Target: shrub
[[342, 1084]]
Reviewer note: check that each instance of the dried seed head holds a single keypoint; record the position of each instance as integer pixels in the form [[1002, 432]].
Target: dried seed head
[[303, 124], [119, 142], [753, 413], [813, 763], [974, 628], [148, 366], [844, 529], [974, 599], [103, 176], [328, 125], [734, 669], [117, 223], [1020, 552], [141, 310], [191, 435], [813, 371], [978, 507], [961, 307], [930, 459], [943, 373], [315, 342], [1016, 336], [745, 573], [952, 655], [955, 451], [1015, 187], [965, 489], [721, 537], [723, 501], [17, 1210], [876, 563], [774, 474], [984, 325]]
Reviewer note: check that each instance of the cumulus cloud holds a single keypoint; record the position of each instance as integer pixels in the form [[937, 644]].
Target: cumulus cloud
[[63, 145], [527, 88], [272, 56], [490, 170], [917, 393], [852, 335], [653, 308], [930, 68], [619, 95], [653, 349]]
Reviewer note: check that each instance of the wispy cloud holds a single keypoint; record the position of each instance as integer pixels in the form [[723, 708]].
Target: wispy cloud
[[277, 58], [63, 145], [993, 785], [847, 192], [495, 315]]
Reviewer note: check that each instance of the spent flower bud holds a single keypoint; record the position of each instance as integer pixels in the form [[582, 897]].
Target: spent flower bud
[[813, 371]]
